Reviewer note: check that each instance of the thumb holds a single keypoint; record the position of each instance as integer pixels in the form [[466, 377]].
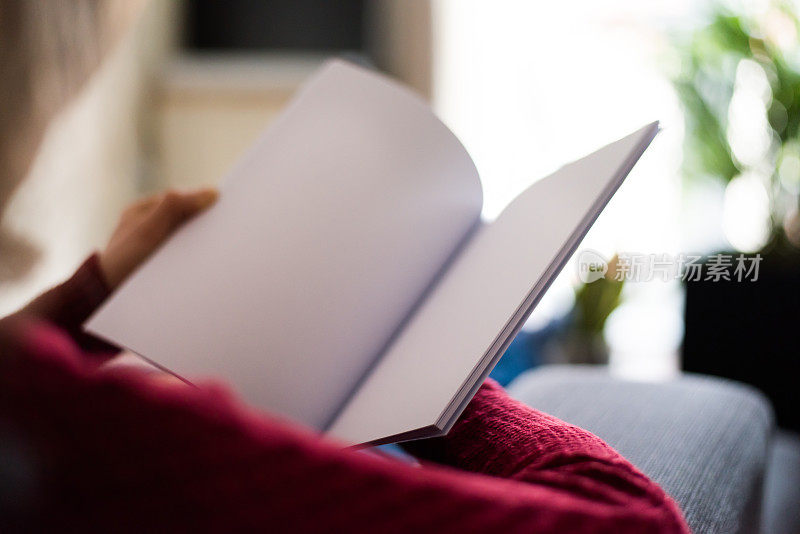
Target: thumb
[[196, 201], [175, 208]]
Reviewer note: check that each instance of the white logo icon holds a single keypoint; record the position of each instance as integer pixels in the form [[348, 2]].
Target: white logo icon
[[591, 266]]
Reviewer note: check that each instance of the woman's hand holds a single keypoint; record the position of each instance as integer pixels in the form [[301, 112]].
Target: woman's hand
[[145, 225]]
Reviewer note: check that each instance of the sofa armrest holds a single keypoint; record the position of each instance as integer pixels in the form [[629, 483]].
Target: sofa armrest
[[704, 440]]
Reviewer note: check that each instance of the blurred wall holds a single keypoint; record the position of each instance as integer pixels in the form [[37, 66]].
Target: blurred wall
[[211, 106], [400, 35], [91, 162], [154, 117]]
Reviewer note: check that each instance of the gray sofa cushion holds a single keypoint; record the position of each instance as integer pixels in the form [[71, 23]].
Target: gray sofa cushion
[[704, 440]]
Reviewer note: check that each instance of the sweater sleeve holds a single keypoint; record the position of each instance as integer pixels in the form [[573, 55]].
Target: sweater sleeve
[[110, 450], [70, 303]]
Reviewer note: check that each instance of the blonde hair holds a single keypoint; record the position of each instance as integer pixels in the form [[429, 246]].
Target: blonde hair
[[48, 49]]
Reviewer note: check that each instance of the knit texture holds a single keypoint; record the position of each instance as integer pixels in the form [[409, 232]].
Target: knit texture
[[119, 450]]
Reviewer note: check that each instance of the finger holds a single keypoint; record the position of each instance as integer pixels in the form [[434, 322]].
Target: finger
[[190, 201], [144, 203], [175, 207], [181, 206], [198, 200]]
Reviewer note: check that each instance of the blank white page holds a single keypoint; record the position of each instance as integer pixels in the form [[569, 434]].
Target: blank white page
[[489, 287], [325, 236]]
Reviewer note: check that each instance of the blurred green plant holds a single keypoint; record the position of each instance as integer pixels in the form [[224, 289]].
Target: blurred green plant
[[732, 56], [594, 303], [712, 65]]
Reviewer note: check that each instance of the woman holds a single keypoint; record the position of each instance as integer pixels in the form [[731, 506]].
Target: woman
[[85, 447]]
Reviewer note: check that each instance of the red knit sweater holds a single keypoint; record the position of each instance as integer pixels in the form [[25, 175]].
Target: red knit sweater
[[83, 448]]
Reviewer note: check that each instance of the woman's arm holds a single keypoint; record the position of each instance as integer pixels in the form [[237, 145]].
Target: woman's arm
[[118, 450], [101, 450], [502, 437]]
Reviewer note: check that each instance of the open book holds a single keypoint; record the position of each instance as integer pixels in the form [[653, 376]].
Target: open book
[[345, 279]]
